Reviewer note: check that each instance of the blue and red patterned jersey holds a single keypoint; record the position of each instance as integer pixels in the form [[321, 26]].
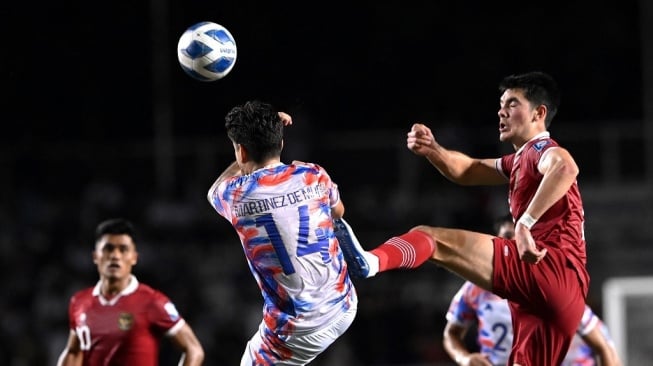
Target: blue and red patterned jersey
[[282, 215]]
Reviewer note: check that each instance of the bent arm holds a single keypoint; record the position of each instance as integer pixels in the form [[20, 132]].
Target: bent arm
[[453, 165], [338, 211], [72, 355], [453, 341], [603, 350], [187, 342], [463, 169], [559, 172], [232, 170]]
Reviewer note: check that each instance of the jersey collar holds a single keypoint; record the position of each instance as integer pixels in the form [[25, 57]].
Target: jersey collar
[[541, 135], [131, 288]]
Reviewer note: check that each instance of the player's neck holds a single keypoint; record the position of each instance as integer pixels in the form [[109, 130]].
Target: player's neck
[[266, 164], [112, 287]]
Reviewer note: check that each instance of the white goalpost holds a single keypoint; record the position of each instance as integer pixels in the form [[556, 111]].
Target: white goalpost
[[628, 314]]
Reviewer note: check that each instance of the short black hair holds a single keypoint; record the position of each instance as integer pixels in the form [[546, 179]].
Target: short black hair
[[257, 126], [115, 226], [500, 220], [538, 87]]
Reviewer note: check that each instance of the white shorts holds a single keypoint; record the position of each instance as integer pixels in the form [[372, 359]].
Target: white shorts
[[268, 349]]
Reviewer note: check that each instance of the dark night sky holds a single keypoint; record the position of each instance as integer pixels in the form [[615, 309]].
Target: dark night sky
[[83, 70]]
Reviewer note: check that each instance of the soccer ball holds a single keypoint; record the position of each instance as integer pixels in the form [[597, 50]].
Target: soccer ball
[[207, 51]]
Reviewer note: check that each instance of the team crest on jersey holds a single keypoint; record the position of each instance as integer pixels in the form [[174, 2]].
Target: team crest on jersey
[[125, 321], [538, 146]]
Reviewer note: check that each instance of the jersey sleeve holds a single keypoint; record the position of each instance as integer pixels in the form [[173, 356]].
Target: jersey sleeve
[[588, 322], [216, 197], [331, 187], [71, 312], [504, 164], [461, 310], [164, 315]]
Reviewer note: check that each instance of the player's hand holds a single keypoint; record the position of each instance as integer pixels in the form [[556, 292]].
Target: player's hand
[[285, 118], [528, 251], [475, 359], [420, 139]]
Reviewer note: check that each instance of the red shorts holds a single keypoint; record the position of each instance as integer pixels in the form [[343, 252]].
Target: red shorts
[[546, 300]]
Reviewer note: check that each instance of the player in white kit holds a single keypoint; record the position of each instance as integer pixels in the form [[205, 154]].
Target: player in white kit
[[283, 215]]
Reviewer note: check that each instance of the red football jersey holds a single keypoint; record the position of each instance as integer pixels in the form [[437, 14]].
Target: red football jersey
[[562, 225], [125, 330]]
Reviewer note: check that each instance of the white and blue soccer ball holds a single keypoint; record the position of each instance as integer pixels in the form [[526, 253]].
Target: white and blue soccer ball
[[207, 51]]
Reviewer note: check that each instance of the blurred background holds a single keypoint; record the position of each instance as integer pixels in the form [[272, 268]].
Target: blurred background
[[99, 120]]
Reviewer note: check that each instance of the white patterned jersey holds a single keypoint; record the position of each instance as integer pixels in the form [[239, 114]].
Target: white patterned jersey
[[282, 215], [472, 304]]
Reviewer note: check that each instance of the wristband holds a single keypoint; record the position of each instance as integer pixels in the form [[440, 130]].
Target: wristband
[[527, 220], [462, 360]]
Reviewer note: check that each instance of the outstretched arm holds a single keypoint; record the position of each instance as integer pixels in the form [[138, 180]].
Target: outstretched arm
[[187, 342], [455, 166]]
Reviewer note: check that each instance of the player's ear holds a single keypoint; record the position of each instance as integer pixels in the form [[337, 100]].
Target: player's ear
[[135, 258], [242, 152], [540, 112]]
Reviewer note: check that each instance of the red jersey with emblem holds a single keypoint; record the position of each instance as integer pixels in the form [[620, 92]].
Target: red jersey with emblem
[[124, 330], [562, 225]]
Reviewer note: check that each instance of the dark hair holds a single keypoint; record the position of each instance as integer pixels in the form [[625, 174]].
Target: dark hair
[[539, 88], [116, 226], [258, 127], [499, 221]]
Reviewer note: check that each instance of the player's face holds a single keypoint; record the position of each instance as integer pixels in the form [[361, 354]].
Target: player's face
[[507, 230], [516, 117], [115, 255]]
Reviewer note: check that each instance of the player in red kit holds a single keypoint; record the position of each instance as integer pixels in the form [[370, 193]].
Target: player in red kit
[[120, 321], [541, 272]]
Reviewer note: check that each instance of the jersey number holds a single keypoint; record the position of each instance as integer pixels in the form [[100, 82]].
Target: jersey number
[[502, 330], [84, 335], [303, 246]]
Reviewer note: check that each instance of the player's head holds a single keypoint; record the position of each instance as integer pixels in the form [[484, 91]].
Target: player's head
[[258, 129], [504, 227], [115, 251], [538, 88]]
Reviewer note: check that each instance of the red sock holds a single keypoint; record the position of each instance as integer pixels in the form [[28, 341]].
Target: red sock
[[409, 250]]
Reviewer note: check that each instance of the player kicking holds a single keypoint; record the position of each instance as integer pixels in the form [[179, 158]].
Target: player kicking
[[542, 270]]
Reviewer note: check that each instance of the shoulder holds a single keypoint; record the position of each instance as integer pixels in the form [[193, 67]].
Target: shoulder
[[147, 290], [309, 169], [303, 165], [82, 295], [152, 294], [541, 145]]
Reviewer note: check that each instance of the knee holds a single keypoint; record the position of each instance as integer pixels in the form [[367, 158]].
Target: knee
[[424, 228]]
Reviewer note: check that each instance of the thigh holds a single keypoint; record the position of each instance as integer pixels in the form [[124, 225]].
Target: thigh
[[266, 348], [466, 253], [536, 339]]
